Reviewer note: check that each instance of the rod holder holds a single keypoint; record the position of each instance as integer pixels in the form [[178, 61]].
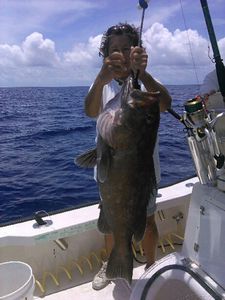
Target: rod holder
[[62, 244]]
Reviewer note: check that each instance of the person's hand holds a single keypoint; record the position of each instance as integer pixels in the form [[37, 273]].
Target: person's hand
[[138, 59], [114, 66]]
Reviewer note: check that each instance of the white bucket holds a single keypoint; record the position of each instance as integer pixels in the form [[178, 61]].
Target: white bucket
[[16, 281]]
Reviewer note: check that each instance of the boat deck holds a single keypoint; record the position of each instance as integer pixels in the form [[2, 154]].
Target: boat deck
[[117, 290]]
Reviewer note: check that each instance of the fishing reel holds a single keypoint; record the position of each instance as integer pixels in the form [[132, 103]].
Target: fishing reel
[[195, 117], [202, 140], [202, 123]]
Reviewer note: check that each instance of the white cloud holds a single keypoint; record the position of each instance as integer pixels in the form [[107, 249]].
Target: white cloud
[[84, 54], [10, 55], [221, 45], [179, 57], [34, 51], [173, 48], [39, 51], [36, 61]]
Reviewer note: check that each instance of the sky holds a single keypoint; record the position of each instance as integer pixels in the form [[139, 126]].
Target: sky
[[56, 42]]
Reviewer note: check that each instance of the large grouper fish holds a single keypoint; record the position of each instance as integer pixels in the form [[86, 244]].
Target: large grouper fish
[[127, 132]]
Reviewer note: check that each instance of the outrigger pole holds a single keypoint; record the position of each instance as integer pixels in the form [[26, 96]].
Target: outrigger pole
[[220, 69]]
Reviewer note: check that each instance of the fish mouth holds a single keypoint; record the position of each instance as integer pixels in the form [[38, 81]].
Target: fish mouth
[[139, 98]]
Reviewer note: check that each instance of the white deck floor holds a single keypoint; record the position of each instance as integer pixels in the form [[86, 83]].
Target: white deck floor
[[116, 290]]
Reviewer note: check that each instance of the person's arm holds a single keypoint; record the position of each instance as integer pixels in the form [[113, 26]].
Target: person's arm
[[93, 100], [112, 68]]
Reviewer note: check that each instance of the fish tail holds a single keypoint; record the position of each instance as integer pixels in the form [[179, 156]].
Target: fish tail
[[120, 266]]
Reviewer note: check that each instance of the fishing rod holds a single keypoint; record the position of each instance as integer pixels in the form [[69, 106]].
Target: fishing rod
[[144, 5], [220, 69], [177, 116]]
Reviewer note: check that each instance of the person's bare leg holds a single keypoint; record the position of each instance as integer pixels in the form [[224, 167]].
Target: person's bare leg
[[100, 280], [150, 240]]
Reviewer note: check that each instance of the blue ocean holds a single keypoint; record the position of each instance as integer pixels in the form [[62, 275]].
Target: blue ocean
[[43, 129]]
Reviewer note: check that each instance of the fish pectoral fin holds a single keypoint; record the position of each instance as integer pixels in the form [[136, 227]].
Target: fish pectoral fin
[[140, 229], [103, 225], [120, 266], [87, 159]]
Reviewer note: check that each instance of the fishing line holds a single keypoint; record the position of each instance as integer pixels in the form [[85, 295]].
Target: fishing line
[[170, 110], [189, 43]]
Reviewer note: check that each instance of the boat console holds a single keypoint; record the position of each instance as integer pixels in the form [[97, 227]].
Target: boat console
[[198, 271]]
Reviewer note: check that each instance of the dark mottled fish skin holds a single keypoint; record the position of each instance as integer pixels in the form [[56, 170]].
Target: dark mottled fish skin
[[125, 174]]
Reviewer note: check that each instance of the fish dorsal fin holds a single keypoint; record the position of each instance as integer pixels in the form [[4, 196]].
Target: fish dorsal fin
[[87, 159]]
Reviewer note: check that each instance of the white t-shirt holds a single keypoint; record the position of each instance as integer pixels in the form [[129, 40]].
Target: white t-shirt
[[210, 83], [109, 92]]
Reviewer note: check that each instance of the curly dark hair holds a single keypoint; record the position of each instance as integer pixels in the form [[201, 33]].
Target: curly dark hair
[[122, 28]]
